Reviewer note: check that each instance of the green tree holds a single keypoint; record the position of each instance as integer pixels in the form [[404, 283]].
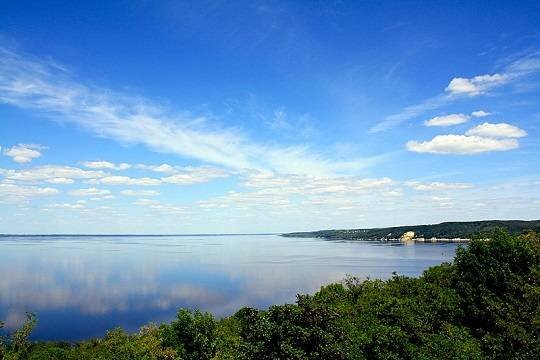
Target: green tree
[[192, 335], [498, 283]]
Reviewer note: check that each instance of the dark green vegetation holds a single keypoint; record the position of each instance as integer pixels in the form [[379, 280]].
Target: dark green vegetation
[[448, 230], [485, 305]]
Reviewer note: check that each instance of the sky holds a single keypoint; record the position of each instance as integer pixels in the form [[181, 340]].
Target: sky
[[266, 116]]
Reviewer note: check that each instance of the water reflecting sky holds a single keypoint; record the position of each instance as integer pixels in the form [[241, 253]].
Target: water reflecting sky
[[81, 286]]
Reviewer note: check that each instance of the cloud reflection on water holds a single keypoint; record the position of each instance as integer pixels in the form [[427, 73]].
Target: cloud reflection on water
[[98, 277]]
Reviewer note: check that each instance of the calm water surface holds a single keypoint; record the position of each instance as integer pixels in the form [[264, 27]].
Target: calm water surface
[[80, 286]]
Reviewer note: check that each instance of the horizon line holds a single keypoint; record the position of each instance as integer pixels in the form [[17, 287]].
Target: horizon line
[[153, 235]]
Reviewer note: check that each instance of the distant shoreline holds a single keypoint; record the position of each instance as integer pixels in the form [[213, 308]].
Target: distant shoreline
[[461, 231], [131, 235]]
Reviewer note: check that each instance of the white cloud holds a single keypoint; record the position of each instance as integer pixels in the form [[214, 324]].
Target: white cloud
[[14, 192], [392, 193], [480, 113], [24, 153], [67, 206], [459, 86], [194, 175], [163, 168], [411, 112], [40, 86], [476, 85], [447, 120], [443, 201], [161, 207], [104, 197], [105, 165], [144, 202], [501, 130], [60, 181], [51, 173], [434, 186], [279, 121], [126, 180], [186, 175], [139, 192], [304, 184], [273, 191], [461, 145], [89, 192]]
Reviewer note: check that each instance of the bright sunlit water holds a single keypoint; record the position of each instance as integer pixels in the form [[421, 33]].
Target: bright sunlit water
[[80, 286]]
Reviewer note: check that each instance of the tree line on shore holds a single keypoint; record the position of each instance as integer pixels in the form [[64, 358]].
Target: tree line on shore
[[483, 305], [445, 230]]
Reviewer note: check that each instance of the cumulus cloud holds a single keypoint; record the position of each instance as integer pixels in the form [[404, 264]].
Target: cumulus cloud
[[89, 192], [434, 186], [501, 130], [126, 180], [77, 205], [480, 113], [24, 153], [194, 175], [461, 145], [163, 168], [14, 192], [51, 173], [476, 85], [304, 184], [60, 181], [130, 192], [104, 197], [276, 191], [447, 120], [105, 165]]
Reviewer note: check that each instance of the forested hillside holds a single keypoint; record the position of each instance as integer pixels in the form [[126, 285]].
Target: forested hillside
[[443, 230]]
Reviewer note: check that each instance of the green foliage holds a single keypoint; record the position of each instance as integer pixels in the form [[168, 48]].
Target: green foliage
[[2, 342], [116, 344], [498, 283], [485, 305], [17, 347], [192, 335], [307, 330]]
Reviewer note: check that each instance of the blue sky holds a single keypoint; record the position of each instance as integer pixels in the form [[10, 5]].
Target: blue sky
[[266, 116]]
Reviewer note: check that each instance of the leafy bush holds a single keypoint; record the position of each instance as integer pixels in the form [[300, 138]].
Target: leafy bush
[[192, 335]]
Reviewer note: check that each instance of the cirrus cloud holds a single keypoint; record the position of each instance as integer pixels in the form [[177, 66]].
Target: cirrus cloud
[[37, 85], [459, 86]]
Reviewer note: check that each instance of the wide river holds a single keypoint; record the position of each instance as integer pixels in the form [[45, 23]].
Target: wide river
[[80, 286]]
